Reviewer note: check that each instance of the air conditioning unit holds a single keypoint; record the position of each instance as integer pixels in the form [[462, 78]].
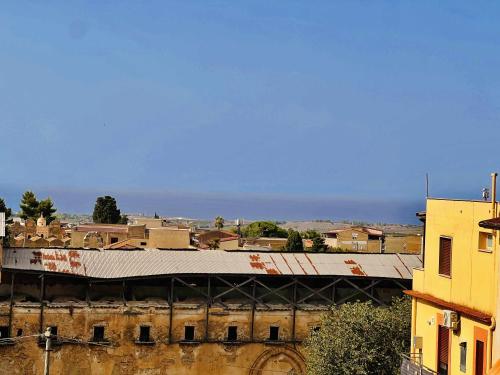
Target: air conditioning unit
[[450, 319]]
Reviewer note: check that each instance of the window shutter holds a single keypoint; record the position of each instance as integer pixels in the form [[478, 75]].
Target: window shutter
[[443, 341], [445, 256]]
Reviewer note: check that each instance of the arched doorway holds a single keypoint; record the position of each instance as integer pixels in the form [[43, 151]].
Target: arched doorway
[[280, 360]]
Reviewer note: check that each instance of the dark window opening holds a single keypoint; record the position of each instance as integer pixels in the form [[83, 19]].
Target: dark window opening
[[114, 239], [19, 332], [445, 256], [4, 332], [189, 333], [463, 356], [274, 333], [98, 334], [144, 243], [232, 333], [53, 330], [144, 334], [480, 365]]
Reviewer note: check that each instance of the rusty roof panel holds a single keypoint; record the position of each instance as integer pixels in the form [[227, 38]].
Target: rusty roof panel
[[109, 264]]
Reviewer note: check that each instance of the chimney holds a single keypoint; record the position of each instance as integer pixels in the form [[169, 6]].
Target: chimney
[[494, 193]]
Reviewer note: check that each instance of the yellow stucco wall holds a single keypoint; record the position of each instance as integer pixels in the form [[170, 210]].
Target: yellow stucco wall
[[472, 284], [426, 327], [169, 238]]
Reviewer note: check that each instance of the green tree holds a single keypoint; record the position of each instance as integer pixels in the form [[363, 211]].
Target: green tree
[[107, 212], [219, 222], [360, 339], [214, 244], [319, 245], [264, 229], [310, 234], [4, 208], [29, 206], [46, 208], [294, 241]]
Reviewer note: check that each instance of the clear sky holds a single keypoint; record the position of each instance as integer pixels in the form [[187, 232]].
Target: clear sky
[[302, 99]]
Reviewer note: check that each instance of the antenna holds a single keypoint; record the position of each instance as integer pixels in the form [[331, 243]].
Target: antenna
[[486, 194]]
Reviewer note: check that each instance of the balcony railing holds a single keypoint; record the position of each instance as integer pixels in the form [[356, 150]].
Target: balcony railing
[[411, 364]]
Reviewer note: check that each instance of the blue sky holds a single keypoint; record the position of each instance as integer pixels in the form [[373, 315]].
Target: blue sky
[[298, 99]]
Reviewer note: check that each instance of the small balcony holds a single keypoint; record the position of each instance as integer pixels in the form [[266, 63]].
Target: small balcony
[[411, 364]]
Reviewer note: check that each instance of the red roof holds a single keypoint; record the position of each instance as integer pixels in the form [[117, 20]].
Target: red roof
[[491, 223]]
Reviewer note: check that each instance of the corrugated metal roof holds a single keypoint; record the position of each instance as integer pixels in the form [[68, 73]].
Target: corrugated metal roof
[[109, 264]]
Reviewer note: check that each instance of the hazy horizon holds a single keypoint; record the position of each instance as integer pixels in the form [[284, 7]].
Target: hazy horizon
[[245, 206]]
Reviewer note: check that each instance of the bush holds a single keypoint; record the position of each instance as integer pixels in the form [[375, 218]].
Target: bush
[[361, 339]]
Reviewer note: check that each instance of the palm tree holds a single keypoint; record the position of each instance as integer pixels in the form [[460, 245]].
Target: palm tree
[[219, 222]]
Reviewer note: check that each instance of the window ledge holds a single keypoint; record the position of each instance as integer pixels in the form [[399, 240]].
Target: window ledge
[[103, 342], [274, 342], [232, 342], [139, 342], [488, 251], [189, 342], [7, 341], [445, 276]]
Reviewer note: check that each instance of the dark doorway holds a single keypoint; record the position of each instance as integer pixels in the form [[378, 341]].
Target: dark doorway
[[443, 346], [479, 366]]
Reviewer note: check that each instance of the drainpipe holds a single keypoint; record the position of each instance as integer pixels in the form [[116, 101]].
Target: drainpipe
[[413, 317], [491, 328]]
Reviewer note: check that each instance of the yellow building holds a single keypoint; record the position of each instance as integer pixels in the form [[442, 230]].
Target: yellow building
[[455, 294]]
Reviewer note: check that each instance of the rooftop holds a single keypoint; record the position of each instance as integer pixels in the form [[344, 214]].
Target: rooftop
[[116, 264]]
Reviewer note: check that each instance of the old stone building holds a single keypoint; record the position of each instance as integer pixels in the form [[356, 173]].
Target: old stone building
[[178, 312], [38, 234]]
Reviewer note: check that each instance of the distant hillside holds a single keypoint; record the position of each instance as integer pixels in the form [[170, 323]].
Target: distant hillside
[[325, 226]]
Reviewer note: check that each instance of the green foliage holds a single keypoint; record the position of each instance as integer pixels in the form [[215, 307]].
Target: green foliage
[[360, 339], [4, 208], [319, 245], [294, 242], [310, 234], [264, 229], [46, 208], [214, 244], [106, 211], [29, 206], [219, 222], [156, 216]]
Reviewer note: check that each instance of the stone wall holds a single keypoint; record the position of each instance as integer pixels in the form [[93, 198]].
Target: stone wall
[[207, 354]]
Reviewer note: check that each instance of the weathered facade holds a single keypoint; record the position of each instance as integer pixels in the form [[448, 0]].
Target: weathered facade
[[178, 312]]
